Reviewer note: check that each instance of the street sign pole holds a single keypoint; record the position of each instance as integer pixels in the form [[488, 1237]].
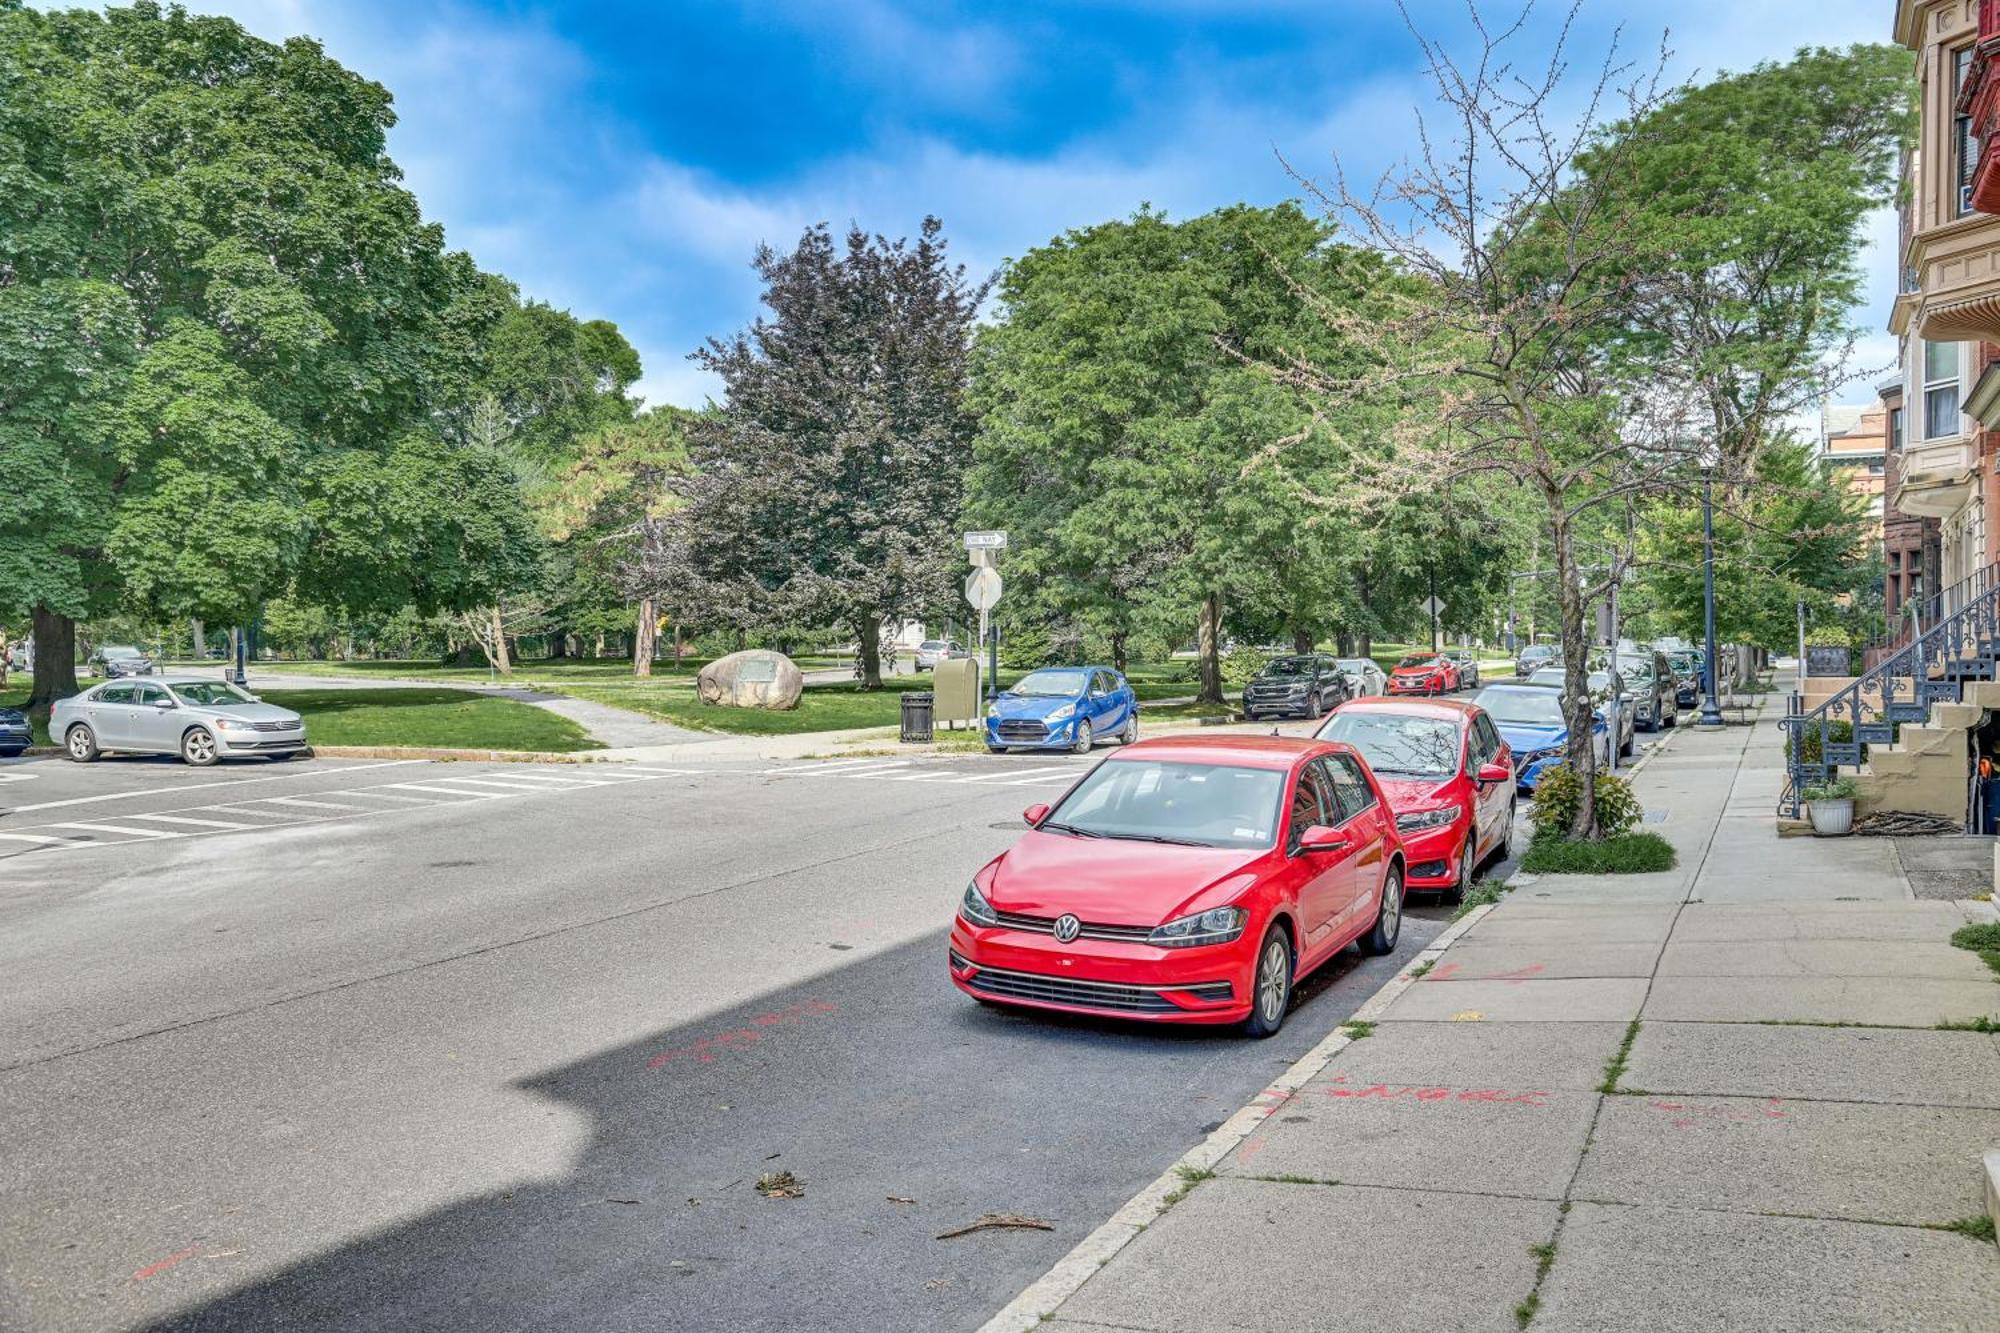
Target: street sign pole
[[982, 592]]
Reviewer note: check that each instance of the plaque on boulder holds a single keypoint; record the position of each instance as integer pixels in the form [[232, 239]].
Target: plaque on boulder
[[1827, 660], [752, 679]]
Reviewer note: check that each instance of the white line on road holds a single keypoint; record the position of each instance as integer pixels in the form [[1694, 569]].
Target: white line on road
[[18, 777], [448, 791], [38, 839], [1033, 782], [126, 829], [829, 766], [377, 794], [294, 800], [1000, 778], [226, 782], [503, 784], [545, 779], [204, 823]]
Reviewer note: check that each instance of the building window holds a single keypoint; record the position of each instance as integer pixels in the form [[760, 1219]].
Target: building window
[[1875, 467], [1940, 390], [1895, 430], [1965, 147]]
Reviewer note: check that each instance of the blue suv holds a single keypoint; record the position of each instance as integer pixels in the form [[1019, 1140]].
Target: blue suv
[[1063, 708]]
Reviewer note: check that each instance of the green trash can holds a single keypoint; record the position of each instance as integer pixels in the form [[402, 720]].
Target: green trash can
[[919, 717]]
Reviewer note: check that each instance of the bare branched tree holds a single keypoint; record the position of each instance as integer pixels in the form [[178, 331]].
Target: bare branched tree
[[1518, 269]]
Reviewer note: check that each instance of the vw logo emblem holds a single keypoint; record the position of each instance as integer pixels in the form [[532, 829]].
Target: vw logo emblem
[[1067, 928]]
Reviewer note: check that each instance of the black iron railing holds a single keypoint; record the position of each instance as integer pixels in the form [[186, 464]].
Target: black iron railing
[[1928, 667]]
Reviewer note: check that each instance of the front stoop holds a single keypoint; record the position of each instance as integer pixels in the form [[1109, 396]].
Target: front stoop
[[1927, 770]]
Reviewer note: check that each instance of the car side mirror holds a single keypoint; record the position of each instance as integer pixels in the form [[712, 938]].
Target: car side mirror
[[1320, 838], [164, 704], [1491, 772], [1035, 814]]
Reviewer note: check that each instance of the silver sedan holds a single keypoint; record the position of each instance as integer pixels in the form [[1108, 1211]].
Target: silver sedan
[[199, 718], [1363, 676]]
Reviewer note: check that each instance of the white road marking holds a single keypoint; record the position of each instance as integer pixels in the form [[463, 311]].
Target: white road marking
[[294, 800], [1033, 782], [448, 791], [40, 840], [18, 777], [205, 823], [1000, 778], [226, 782], [874, 770], [504, 784], [653, 772], [546, 778], [827, 766], [125, 829], [375, 794]]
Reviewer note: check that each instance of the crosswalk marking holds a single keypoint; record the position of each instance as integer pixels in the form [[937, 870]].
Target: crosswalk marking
[[502, 784], [547, 778], [652, 772], [829, 766], [39, 839], [299, 800], [377, 794], [204, 823], [999, 779], [448, 791], [123, 828]]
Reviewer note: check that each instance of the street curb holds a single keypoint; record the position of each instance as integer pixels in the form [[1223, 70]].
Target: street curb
[[475, 756], [1040, 1300]]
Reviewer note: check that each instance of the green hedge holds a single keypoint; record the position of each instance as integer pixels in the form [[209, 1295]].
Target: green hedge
[[1625, 854]]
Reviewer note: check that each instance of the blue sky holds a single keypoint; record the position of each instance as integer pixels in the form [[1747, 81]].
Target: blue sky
[[623, 159]]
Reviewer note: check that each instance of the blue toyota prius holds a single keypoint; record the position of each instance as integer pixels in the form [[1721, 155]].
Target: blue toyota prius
[[1063, 708], [1530, 720]]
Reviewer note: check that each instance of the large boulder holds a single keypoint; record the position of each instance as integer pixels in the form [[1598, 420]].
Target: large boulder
[[753, 679]]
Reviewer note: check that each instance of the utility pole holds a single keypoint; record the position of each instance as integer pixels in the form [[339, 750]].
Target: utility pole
[[1433, 604]]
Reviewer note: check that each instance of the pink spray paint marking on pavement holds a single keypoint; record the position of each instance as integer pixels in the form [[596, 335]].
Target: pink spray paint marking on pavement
[[172, 1260], [1388, 1093], [711, 1048], [1687, 1116]]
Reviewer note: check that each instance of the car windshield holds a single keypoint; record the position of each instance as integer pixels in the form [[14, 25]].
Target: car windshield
[[1059, 684], [1204, 805], [1397, 744], [1288, 666], [1532, 654], [1529, 707], [1357, 665], [121, 651], [1640, 673], [1682, 662], [1418, 660], [211, 694], [930, 645]]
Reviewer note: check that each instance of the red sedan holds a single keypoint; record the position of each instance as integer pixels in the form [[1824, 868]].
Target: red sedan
[[1424, 673], [1449, 777], [1186, 880]]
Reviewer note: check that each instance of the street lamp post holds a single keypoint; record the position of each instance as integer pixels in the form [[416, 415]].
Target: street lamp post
[[1711, 707]]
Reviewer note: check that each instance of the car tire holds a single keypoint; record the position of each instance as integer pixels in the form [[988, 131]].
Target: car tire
[[1388, 928], [1129, 734], [81, 744], [1084, 740], [1506, 847], [1315, 708], [1463, 884], [1271, 987], [11, 754], [198, 748], [996, 749], [1630, 745]]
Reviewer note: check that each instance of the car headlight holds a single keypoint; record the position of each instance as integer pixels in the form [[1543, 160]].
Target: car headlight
[[230, 724], [1064, 713], [993, 710], [1218, 925], [974, 907], [1417, 820], [1536, 756]]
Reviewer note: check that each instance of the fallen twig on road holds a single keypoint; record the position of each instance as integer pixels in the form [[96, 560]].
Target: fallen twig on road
[[998, 1222]]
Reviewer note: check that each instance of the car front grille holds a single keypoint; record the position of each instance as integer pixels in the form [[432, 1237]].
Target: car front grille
[[1429, 870], [274, 726], [1111, 997], [1092, 930], [1023, 729]]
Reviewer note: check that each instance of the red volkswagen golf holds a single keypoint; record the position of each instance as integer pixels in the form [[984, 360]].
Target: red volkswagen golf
[[1449, 778], [1186, 880], [1424, 673]]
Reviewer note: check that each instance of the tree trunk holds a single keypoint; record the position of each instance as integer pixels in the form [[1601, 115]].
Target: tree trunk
[[1208, 650], [678, 646], [1118, 651], [1343, 643], [497, 632], [55, 658], [558, 643], [1366, 646], [868, 633], [1302, 641], [199, 632], [648, 623], [1581, 755]]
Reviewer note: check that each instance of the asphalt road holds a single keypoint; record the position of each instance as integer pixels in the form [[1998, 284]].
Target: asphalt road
[[355, 1045]]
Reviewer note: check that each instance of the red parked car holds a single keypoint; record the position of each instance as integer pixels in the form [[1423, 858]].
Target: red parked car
[[1186, 880], [1449, 777], [1424, 673]]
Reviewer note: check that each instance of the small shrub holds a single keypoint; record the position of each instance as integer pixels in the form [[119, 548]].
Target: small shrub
[[1838, 732], [1625, 854], [1839, 789], [1983, 939], [1561, 788], [1240, 665]]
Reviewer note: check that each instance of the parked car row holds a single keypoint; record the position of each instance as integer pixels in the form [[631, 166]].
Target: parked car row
[[199, 718], [1197, 879]]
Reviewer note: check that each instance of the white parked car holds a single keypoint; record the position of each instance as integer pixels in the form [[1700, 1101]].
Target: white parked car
[[932, 651], [1364, 676], [199, 718]]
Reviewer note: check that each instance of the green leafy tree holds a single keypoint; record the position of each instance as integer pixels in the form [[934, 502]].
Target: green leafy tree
[[828, 486], [221, 308]]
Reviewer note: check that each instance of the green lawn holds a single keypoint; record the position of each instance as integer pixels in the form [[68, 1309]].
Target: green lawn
[[447, 719]]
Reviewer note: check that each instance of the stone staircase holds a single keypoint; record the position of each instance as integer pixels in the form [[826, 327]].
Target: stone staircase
[[1913, 716]]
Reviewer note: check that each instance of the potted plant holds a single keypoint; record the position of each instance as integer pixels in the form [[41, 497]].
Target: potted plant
[[1831, 807]]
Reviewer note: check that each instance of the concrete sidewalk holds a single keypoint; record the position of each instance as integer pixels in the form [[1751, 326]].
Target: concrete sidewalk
[[1738, 1095]]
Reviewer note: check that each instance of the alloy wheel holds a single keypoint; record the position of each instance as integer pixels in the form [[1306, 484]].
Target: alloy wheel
[[81, 746], [1083, 738], [198, 748], [1271, 981], [1392, 907]]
